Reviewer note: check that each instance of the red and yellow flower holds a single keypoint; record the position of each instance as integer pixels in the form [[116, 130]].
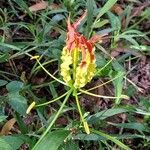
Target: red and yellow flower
[[75, 72]]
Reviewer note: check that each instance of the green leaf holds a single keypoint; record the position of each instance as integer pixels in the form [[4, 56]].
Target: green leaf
[[53, 90], [118, 67], [23, 6], [89, 137], [18, 102], [130, 91], [10, 46], [100, 23], [106, 7], [100, 60], [129, 38], [14, 142], [96, 137], [132, 136], [114, 20], [3, 82], [4, 57], [105, 114], [133, 125], [2, 118], [4, 145], [22, 126], [113, 139], [90, 11], [118, 84], [69, 145], [142, 112], [52, 140], [14, 86]]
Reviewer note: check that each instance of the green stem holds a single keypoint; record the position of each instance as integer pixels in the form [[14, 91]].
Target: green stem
[[50, 73], [45, 63], [78, 105], [95, 87], [53, 121], [105, 65], [85, 124], [42, 85], [102, 96], [46, 103], [22, 52]]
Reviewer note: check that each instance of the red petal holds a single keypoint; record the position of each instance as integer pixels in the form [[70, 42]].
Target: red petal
[[77, 23]]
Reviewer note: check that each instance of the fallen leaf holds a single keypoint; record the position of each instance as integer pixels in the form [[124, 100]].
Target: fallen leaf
[[39, 6], [42, 5], [8, 126]]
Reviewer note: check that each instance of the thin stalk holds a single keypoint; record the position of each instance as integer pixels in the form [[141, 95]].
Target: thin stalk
[[42, 85], [79, 108], [95, 87], [45, 63], [105, 65], [101, 96], [46, 103], [5, 77], [3, 72], [53, 121], [24, 52], [85, 124], [50, 73], [33, 68]]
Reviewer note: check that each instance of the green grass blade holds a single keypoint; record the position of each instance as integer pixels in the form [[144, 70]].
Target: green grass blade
[[105, 8], [113, 139], [90, 11]]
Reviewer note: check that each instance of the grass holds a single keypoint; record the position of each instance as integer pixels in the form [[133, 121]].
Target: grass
[[110, 112]]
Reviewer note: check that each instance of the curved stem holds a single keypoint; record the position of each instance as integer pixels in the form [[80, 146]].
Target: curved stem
[[103, 83], [53, 121], [46, 103], [50, 73], [102, 96], [45, 63]]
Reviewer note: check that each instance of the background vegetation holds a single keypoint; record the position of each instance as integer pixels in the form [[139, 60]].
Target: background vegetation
[[34, 27]]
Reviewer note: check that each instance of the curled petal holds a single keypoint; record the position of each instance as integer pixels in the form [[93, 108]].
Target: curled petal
[[65, 66], [77, 23], [76, 73], [85, 71]]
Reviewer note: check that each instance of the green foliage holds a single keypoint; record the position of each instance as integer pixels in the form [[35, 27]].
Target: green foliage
[[16, 100], [52, 140], [53, 122], [14, 142], [4, 145], [3, 82]]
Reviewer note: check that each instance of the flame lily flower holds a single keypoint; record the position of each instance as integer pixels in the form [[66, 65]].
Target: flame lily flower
[[78, 46]]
